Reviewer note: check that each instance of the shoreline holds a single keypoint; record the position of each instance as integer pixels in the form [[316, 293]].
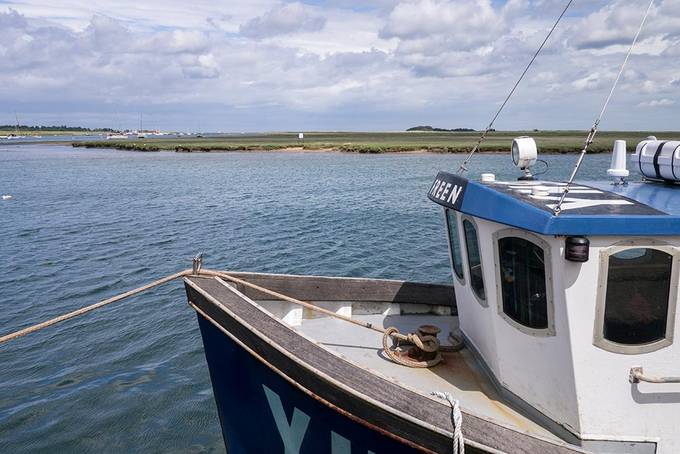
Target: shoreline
[[354, 149], [548, 142]]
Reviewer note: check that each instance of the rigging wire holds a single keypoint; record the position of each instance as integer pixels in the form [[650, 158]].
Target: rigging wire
[[463, 167], [593, 130]]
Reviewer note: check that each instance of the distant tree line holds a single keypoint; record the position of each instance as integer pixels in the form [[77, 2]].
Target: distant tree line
[[430, 128], [53, 128]]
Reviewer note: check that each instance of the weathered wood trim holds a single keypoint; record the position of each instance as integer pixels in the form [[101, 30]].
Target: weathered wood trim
[[322, 288], [359, 387]]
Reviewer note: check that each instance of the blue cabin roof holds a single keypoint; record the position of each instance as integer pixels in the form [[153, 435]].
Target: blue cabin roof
[[595, 208]]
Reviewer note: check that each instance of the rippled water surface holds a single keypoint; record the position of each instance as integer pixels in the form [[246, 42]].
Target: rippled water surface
[[84, 225]]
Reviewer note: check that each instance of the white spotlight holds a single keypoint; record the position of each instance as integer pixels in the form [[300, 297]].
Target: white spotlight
[[524, 155]]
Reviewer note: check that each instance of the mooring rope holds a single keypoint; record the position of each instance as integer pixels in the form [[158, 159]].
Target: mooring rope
[[425, 343], [463, 167], [394, 356], [84, 310], [429, 344], [593, 131], [456, 420]]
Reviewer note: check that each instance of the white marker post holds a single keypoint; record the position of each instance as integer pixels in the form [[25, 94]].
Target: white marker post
[[301, 138]]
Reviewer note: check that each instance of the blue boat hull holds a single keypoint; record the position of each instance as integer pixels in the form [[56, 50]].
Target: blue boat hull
[[260, 411], [277, 391]]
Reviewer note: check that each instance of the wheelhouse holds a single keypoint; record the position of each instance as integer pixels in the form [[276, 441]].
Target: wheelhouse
[[559, 334]]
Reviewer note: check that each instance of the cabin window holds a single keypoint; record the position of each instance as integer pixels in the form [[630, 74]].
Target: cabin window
[[637, 299], [474, 259], [636, 303], [522, 281], [454, 242]]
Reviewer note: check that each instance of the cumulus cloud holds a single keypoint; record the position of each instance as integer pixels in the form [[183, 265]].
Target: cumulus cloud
[[664, 102], [616, 23], [467, 23], [284, 19], [269, 64]]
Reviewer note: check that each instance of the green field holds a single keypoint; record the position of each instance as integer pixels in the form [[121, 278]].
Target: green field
[[372, 142]]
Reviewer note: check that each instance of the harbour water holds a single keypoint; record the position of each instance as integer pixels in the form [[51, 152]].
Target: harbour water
[[83, 225]]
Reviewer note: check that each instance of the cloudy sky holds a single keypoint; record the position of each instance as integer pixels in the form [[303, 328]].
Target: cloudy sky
[[263, 65]]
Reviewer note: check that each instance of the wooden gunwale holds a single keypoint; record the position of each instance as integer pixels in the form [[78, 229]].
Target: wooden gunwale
[[345, 387], [326, 288]]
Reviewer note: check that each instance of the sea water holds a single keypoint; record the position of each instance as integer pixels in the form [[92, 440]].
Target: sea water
[[83, 225]]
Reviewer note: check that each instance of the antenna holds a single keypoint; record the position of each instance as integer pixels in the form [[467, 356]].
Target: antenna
[[463, 166], [593, 130]]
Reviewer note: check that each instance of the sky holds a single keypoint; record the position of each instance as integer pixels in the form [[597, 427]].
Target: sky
[[386, 65]]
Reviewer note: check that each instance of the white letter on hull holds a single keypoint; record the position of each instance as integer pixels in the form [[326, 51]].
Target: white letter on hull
[[435, 185], [446, 191], [454, 195], [293, 434], [341, 445]]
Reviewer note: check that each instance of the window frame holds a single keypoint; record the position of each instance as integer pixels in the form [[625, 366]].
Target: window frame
[[547, 260], [483, 302], [461, 279], [598, 334]]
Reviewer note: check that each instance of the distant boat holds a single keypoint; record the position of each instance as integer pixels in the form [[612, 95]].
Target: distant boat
[[16, 134], [6, 197], [116, 135]]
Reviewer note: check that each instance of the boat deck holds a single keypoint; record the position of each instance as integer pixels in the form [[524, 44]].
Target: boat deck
[[342, 364], [458, 374]]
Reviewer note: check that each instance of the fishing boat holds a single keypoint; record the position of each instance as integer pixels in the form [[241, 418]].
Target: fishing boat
[[566, 321], [556, 335]]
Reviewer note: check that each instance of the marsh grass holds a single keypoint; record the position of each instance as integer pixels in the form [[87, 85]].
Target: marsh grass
[[378, 142]]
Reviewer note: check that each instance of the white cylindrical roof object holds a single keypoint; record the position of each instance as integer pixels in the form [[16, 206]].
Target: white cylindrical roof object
[[524, 152], [618, 165], [658, 159], [540, 191]]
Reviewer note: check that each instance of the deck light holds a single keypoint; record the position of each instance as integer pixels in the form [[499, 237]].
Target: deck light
[[576, 249], [524, 154]]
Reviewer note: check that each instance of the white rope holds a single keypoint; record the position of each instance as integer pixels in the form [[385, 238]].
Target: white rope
[[463, 166], [593, 130], [456, 419]]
